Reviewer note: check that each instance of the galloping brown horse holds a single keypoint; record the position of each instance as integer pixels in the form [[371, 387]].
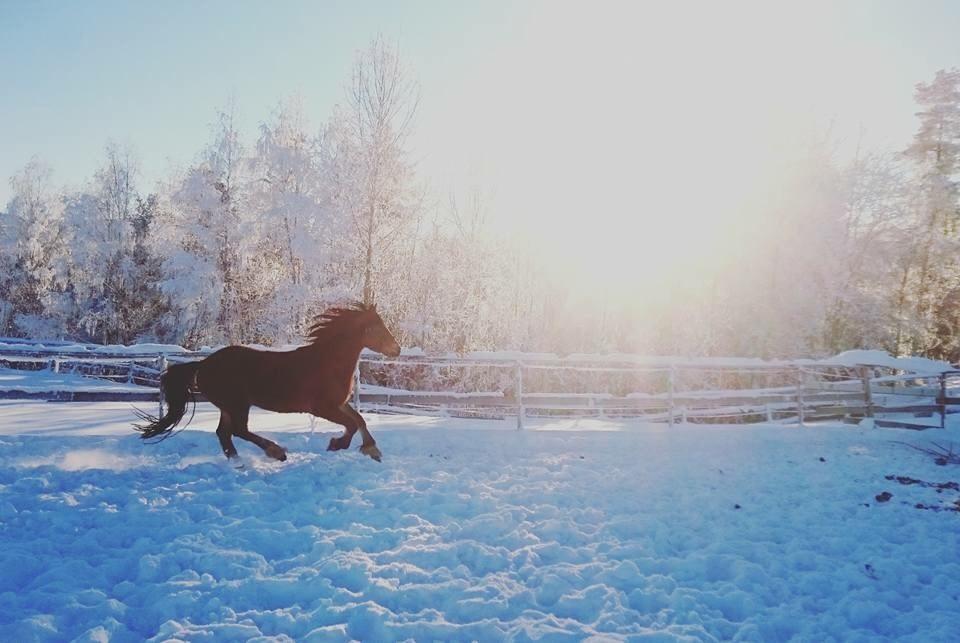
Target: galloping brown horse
[[316, 378]]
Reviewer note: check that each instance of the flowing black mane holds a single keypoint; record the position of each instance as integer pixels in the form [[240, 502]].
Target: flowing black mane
[[335, 321]]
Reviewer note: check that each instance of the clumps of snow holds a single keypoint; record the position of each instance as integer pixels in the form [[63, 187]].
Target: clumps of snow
[[81, 459], [193, 460]]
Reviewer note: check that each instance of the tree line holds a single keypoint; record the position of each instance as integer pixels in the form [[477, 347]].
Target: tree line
[[248, 244]]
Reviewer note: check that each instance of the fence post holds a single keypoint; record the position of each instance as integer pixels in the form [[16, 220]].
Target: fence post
[[519, 394], [943, 400], [356, 386], [800, 414], [162, 366], [670, 391], [867, 393]]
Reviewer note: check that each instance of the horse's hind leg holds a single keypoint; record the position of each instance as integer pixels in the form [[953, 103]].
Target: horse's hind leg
[[224, 434], [269, 447]]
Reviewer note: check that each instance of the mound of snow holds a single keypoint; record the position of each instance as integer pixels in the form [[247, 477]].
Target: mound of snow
[[885, 360]]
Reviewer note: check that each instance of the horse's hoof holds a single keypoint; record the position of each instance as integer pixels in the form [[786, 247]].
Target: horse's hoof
[[276, 452], [372, 451], [335, 445]]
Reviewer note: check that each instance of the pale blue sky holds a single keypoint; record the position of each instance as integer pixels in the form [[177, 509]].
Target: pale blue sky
[[151, 74], [520, 97]]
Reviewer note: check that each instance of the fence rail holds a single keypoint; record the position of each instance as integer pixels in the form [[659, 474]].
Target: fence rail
[[504, 385]]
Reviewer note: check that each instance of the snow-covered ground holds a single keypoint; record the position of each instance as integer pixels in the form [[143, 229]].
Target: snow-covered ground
[[44, 381], [470, 530]]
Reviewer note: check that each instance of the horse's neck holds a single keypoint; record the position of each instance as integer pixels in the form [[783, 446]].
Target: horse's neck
[[349, 351], [341, 352]]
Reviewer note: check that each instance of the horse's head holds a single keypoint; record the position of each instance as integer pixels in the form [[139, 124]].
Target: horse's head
[[376, 336]]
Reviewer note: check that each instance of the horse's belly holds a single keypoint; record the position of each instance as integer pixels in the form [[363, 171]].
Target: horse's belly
[[279, 409], [283, 402], [295, 398]]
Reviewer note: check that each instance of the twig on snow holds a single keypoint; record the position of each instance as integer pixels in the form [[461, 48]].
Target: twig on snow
[[942, 455]]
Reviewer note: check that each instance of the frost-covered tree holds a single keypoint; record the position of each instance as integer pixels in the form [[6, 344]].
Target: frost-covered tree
[[299, 227], [374, 179], [218, 272], [773, 299], [32, 240], [145, 304], [867, 306], [113, 294], [455, 295], [287, 184]]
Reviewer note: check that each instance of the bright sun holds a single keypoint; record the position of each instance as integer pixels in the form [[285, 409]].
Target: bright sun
[[626, 161]]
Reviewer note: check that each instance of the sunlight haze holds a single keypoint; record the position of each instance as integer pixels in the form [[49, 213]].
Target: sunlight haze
[[631, 148]]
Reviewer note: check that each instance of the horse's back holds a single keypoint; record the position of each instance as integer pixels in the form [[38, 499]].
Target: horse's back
[[243, 376], [227, 375], [227, 360]]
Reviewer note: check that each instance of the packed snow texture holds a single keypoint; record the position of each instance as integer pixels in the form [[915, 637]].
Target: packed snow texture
[[471, 531]]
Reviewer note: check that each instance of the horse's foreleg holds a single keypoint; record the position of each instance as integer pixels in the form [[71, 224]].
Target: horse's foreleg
[[368, 441], [351, 422], [338, 416], [269, 447], [224, 433]]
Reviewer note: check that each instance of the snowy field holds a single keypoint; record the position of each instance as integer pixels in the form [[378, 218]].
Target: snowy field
[[469, 530], [44, 381]]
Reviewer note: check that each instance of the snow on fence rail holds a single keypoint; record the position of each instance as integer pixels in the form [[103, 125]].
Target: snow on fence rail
[[857, 385]]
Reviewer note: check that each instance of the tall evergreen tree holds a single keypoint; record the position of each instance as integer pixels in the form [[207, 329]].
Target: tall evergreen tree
[[932, 266]]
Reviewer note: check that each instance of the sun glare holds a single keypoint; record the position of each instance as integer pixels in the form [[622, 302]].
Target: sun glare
[[631, 158]]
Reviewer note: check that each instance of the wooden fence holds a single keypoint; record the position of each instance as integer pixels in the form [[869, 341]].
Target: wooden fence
[[802, 392], [521, 386]]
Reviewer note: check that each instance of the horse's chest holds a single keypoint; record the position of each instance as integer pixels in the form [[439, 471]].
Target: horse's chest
[[312, 391], [331, 394]]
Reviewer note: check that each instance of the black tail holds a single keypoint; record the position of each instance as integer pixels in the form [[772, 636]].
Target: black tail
[[175, 385]]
